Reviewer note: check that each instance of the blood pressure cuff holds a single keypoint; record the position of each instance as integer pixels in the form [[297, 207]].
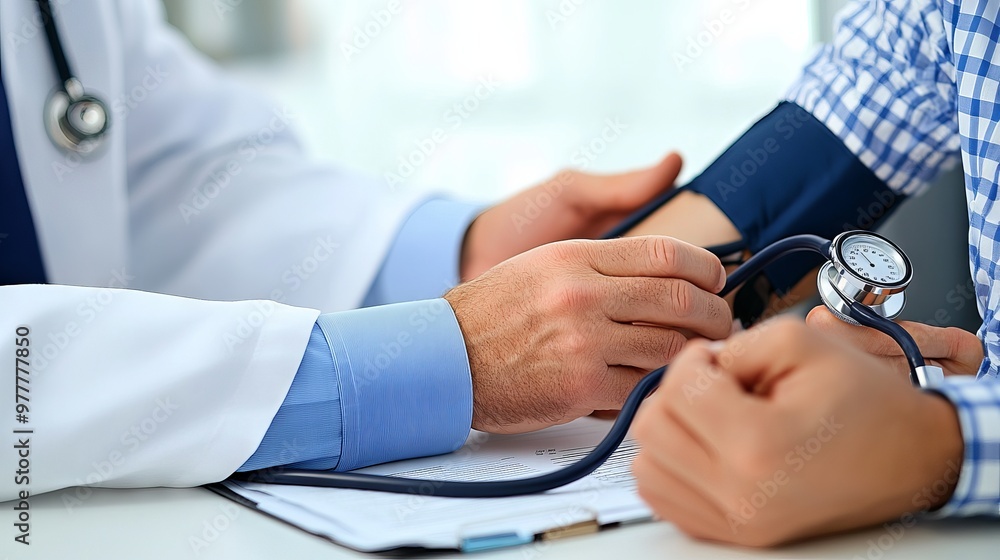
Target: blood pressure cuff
[[790, 175]]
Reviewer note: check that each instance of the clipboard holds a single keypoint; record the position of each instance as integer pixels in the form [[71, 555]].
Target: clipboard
[[404, 524]]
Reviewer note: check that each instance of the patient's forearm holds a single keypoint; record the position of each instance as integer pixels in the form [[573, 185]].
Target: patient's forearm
[[690, 217]]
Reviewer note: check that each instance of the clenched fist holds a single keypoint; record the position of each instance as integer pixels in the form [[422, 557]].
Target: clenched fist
[[782, 433]]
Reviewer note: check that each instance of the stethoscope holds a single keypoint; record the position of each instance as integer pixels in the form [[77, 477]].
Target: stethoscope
[[862, 282], [74, 120]]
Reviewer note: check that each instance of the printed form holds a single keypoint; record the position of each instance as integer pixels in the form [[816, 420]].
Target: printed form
[[377, 521]]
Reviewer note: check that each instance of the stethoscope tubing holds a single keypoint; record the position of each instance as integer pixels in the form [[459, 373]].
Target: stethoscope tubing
[[456, 489], [55, 43], [555, 479]]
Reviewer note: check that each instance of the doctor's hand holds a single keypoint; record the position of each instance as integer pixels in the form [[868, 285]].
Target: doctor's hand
[[956, 351], [550, 333], [782, 433], [571, 205]]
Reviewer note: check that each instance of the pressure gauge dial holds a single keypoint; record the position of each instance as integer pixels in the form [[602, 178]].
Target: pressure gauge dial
[[870, 267], [866, 268]]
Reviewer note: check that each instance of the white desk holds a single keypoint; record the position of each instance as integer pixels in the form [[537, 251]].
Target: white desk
[[164, 523]]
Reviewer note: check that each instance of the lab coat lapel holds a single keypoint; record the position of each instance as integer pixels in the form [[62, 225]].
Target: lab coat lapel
[[79, 204]]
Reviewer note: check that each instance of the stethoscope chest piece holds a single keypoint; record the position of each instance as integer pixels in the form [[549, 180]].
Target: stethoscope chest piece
[[864, 268], [76, 123], [839, 305]]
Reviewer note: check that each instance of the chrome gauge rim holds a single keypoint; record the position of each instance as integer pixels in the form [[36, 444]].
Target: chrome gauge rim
[[891, 269], [840, 305]]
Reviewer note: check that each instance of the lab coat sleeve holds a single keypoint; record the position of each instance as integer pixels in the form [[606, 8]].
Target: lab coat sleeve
[[886, 88], [224, 203], [121, 388]]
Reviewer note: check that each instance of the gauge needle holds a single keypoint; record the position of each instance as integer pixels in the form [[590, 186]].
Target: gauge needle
[[867, 259]]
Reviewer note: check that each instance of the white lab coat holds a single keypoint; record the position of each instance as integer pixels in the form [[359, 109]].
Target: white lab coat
[[201, 191]]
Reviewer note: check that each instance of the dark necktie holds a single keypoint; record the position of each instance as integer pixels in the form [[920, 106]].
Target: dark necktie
[[20, 256]]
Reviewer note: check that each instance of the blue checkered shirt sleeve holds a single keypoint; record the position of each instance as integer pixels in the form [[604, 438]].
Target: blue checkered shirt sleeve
[[901, 85], [886, 87], [978, 406]]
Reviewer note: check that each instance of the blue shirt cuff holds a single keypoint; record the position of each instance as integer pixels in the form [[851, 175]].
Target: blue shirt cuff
[[375, 385], [424, 259], [306, 431], [404, 381]]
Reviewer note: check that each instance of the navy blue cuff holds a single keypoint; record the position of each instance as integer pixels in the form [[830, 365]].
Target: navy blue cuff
[[787, 175]]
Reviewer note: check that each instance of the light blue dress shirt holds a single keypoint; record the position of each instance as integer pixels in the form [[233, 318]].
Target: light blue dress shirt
[[389, 381]]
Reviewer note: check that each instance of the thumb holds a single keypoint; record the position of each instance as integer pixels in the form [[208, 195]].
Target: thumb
[[864, 338], [624, 192], [638, 187], [758, 358]]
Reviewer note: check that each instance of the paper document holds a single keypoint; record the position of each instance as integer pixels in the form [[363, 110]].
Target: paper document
[[376, 521]]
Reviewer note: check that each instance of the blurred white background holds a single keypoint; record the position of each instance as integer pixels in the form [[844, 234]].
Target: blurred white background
[[370, 80]]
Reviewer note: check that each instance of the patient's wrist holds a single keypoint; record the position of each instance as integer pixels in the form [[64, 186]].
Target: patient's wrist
[[690, 217]]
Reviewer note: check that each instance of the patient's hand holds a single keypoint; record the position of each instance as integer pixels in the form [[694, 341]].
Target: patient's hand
[[571, 205], [783, 433], [956, 351]]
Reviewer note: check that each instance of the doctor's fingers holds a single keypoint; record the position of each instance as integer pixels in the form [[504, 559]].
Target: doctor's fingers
[[640, 346], [654, 256], [609, 389], [668, 302]]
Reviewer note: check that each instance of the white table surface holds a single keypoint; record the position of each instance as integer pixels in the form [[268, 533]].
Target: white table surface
[[151, 524]]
